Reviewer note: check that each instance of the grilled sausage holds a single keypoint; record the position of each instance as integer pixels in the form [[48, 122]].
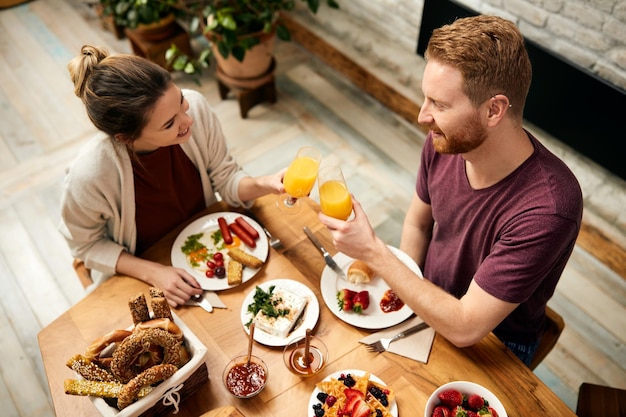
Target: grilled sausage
[[247, 227], [242, 234], [228, 239]]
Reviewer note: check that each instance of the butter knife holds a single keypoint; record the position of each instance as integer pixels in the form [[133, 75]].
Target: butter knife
[[327, 258], [200, 302]]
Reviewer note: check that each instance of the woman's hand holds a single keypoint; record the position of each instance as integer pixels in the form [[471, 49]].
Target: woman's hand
[[177, 284], [251, 188]]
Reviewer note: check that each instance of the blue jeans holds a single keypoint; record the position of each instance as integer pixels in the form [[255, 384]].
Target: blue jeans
[[525, 352]]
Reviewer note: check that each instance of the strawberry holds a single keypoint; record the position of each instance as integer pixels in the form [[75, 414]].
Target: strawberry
[[441, 411], [345, 299], [493, 412], [361, 409], [471, 413], [361, 301], [459, 411], [475, 402], [353, 397], [451, 398]]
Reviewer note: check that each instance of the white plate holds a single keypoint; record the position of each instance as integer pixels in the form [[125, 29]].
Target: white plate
[[313, 400], [311, 314], [207, 225], [373, 317]]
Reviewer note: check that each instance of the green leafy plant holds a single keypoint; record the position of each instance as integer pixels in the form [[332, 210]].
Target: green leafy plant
[[132, 13], [226, 24]]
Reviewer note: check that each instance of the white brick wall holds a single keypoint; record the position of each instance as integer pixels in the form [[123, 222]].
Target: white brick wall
[[591, 33], [382, 35]]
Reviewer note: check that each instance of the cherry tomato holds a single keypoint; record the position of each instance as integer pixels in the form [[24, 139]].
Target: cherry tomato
[[209, 273], [210, 264], [220, 272], [218, 256]]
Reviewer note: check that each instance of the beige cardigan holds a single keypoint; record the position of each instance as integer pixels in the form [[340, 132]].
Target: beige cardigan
[[98, 202]]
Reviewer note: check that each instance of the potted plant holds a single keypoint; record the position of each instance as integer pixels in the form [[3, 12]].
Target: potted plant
[[233, 29], [149, 19]]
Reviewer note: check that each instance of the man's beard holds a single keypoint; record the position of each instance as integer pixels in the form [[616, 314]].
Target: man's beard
[[463, 140]]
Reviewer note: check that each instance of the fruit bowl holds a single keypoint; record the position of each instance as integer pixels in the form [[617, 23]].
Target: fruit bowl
[[466, 388]]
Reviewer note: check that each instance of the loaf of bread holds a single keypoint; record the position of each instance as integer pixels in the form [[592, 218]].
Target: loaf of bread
[[359, 272], [139, 308]]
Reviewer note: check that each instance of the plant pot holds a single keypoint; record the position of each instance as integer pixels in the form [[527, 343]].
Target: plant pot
[[256, 62], [108, 22], [156, 31]]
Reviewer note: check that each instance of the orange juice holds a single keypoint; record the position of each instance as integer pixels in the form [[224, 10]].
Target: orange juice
[[335, 200], [300, 176]]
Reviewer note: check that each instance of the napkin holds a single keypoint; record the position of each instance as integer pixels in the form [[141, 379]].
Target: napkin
[[416, 346]]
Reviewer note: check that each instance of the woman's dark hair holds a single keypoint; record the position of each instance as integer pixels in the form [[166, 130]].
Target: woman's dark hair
[[119, 91]]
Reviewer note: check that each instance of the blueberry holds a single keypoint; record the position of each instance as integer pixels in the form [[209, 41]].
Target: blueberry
[[321, 396]]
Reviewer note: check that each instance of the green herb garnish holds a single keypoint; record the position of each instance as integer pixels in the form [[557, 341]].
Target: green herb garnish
[[266, 303]]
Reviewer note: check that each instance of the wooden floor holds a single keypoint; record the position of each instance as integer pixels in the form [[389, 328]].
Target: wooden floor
[[42, 125]]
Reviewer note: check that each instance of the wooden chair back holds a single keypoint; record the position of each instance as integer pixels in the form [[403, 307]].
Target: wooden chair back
[[553, 329], [600, 401], [84, 276]]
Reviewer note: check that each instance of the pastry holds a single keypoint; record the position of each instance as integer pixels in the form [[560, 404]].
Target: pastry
[[359, 272]]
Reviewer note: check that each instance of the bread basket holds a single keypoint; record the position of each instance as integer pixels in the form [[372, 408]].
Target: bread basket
[[168, 395]]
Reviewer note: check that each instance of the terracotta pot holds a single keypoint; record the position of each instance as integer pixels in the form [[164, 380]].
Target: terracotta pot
[[156, 31], [256, 62]]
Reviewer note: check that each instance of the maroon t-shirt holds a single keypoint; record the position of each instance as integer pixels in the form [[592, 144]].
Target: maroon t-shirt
[[167, 192], [513, 238]]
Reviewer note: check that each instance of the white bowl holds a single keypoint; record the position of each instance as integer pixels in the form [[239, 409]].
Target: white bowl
[[466, 388]]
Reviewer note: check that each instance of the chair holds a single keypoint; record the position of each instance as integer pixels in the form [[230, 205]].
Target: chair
[[83, 273], [600, 401], [552, 330]]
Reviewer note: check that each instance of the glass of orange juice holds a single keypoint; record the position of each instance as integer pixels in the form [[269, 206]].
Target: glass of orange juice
[[335, 199], [300, 178]]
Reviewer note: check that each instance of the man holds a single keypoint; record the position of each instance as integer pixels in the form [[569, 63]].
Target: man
[[495, 215]]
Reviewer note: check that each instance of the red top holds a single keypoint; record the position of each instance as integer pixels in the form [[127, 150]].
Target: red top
[[167, 192]]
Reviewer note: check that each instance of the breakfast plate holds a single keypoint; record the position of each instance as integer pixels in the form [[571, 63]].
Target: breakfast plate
[[393, 409], [373, 317], [212, 239], [308, 320]]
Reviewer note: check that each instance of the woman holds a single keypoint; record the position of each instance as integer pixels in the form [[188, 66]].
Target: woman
[[160, 159]]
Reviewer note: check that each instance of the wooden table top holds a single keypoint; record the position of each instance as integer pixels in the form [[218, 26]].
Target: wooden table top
[[488, 363]]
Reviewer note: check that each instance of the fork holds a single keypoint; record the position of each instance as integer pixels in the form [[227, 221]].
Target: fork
[[382, 345], [274, 241]]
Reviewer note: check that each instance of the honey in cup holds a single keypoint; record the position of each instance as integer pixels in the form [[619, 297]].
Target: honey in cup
[[243, 379], [294, 356]]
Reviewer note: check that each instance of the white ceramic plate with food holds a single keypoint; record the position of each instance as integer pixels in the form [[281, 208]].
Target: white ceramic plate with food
[[308, 319], [393, 409], [373, 317], [213, 241]]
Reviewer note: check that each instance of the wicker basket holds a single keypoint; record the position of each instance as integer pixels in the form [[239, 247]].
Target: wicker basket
[[168, 395]]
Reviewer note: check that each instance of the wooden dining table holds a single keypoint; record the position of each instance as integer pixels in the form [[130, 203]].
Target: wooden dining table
[[488, 362]]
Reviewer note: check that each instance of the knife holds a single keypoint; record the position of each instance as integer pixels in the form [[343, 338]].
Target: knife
[[327, 258], [200, 302], [214, 299]]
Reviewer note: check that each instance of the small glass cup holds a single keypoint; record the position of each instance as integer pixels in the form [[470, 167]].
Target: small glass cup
[[245, 380], [294, 354], [335, 199]]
